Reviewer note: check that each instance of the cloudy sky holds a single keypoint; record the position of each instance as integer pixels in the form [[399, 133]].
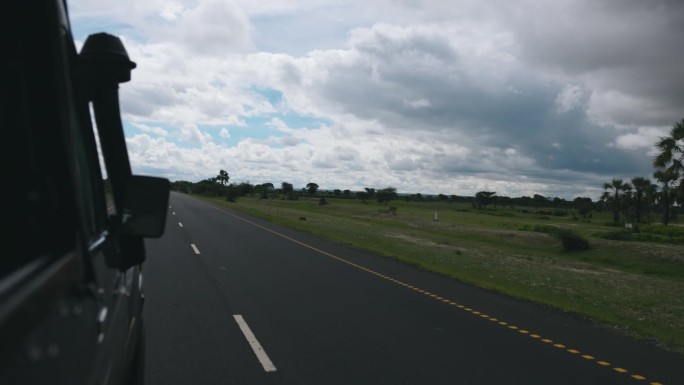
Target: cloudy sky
[[518, 97]]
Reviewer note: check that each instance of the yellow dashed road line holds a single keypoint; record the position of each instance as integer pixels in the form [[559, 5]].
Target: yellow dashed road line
[[620, 370]]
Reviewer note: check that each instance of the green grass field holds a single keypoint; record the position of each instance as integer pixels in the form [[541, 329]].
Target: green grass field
[[633, 286]]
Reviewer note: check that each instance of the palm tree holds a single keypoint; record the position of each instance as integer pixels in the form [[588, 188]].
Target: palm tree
[[223, 177], [668, 192], [651, 197], [670, 165], [641, 188], [615, 194], [671, 149]]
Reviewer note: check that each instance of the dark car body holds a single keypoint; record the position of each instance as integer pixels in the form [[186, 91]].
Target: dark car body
[[71, 281]]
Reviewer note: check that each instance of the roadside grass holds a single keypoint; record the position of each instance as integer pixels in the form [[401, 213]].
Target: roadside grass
[[631, 286]]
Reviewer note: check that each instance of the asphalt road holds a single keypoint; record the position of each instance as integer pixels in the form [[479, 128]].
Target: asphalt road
[[322, 313]]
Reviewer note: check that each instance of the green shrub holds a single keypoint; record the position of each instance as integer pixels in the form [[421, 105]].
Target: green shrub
[[571, 241]]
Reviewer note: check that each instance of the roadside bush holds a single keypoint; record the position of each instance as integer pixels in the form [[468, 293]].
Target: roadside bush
[[231, 193], [571, 241]]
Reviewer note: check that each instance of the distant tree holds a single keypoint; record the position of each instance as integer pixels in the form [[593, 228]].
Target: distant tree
[[346, 194], [264, 189], [245, 188], [670, 168], [287, 187], [584, 206], [337, 193], [651, 196], [386, 195], [667, 178], [484, 198], [182, 186], [442, 198], [208, 186], [311, 188], [504, 201], [363, 195], [223, 177], [540, 200], [641, 186], [616, 192], [524, 201]]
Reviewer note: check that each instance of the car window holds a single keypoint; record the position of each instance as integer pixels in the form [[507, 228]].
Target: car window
[[87, 169], [38, 189]]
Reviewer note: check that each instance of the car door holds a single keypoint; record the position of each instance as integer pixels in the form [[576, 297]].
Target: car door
[[48, 298]]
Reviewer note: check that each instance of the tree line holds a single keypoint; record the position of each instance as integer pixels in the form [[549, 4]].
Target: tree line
[[219, 186], [636, 200]]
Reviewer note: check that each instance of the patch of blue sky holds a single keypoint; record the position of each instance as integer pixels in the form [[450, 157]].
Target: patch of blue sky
[[260, 128], [273, 96], [256, 128], [130, 130], [293, 120]]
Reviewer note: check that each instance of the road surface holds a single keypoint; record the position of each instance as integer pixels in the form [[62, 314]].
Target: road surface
[[231, 299]]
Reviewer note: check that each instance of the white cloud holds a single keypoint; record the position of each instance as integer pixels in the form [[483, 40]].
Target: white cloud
[[429, 96], [643, 139], [417, 103], [569, 98], [171, 10], [224, 133], [151, 129]]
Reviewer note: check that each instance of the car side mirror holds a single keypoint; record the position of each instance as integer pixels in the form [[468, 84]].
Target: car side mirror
[[145, 206]]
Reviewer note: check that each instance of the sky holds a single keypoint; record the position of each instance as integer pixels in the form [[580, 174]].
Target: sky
[[454, 97]]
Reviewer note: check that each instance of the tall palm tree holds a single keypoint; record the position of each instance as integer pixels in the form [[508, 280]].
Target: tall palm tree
[[223, 177], [668, 192], [641, 186], [670, 164], [671, 147], [651, 198], [615, 194]]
